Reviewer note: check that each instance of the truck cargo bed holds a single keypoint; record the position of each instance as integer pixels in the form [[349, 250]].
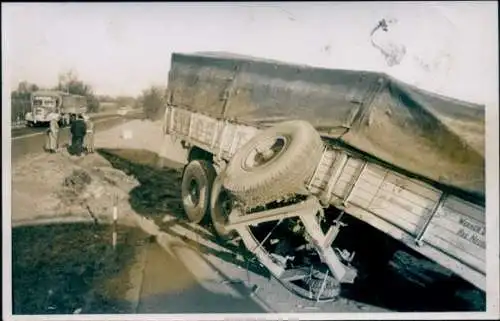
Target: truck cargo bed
[[435, 222]]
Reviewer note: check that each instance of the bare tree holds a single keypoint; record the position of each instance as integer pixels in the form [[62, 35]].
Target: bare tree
[[20, 99], [70, 83], [153, 102]]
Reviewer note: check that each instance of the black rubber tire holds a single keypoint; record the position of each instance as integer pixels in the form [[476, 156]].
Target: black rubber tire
[[331, 288], [217, 216], [282, 176], [203, 174], [331, 291]]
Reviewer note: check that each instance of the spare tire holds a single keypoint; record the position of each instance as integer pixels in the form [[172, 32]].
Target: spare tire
[[197, 180], [274, 164]]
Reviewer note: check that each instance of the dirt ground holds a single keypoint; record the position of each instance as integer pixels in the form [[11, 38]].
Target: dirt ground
[[125, 172], [73, 268], [55, 185]]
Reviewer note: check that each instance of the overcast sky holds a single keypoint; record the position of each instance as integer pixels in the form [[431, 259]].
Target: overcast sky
[[122, 48]]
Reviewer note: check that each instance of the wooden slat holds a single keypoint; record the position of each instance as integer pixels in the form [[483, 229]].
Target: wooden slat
[[453, 250], [324, 170], [360, 200], [393, 212], [455, 264], [417, 188], [372, 178], [315, 190], [215, 134], [369, 183], [341, 188], [361, 196], [348, 174], [457, 229], [352, 166], [181, 121], [406, 196], [447, 218], [442, 239], [475, 212], [375, 170], [228, 138], [324, 174], [346, 178], [459, 238], [400, 207]]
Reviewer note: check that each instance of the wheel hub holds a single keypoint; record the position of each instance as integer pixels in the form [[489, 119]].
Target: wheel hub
[[265, 153], [194, 192]]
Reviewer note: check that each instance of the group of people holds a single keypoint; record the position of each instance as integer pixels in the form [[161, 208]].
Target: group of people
[[82, 135]]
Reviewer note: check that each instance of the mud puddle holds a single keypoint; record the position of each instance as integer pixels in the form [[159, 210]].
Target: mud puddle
[[72, 268]]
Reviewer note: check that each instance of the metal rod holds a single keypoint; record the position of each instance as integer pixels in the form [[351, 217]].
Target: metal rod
[[436, 208], [222, 138], [214, 137], [267, 236], [339, 164], [327, 254], [351, 189], [317, 167], [190, 128], [333, 231], [233, 142], [166, 120], [171, 126], [308, 207], [322, 286]]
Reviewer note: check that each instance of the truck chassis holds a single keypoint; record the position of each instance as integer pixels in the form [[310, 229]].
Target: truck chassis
[[441, 226]]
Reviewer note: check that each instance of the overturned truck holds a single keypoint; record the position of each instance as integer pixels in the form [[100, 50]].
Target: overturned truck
[[283, 155]]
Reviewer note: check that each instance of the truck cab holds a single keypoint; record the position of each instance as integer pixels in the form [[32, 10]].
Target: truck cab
[[47, 104], [44, 105]]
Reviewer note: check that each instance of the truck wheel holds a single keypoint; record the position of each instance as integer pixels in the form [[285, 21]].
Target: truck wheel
[[310, 288], [29, 124], [275, 163], [197, 181], [330, 290], [220, 208]]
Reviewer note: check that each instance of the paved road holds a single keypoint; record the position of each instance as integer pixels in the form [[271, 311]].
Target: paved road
[[31, 140], [197, 274], [187, 271], [24, 131]]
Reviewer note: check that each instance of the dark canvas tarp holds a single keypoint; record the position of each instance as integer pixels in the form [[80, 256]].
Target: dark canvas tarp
[[433, 136]]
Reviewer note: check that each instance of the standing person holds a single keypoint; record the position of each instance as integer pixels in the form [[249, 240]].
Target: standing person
[[89, 137], [66, 120], [53, 135], [72, 118], [78, 130]]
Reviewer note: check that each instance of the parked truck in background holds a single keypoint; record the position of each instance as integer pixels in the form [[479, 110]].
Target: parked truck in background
[[283, 156], [46, 104]]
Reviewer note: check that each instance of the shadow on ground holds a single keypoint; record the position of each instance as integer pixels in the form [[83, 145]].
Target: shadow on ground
[[172, 288], [395, 277], [158, 195], [63, 268]]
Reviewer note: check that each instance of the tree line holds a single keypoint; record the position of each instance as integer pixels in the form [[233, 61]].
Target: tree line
[[152, 100]]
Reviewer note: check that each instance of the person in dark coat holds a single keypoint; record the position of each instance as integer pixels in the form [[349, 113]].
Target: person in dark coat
[[78, 130]]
